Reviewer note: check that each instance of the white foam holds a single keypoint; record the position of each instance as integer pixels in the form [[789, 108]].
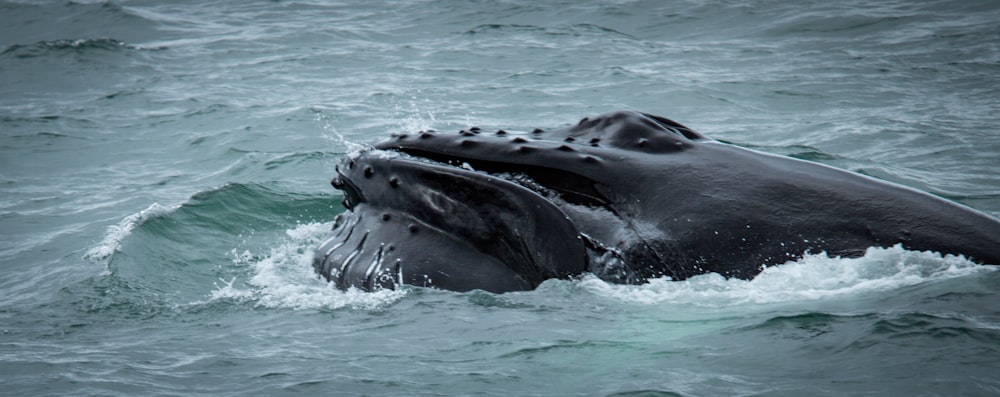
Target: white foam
[[285, 278], [811, 278], [115, 234]]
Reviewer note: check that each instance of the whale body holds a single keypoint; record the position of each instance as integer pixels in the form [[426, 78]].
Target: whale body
[[626, 196]]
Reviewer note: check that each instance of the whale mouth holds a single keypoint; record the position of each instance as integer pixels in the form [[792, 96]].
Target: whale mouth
[[554, 169], [426, 218], [549, 182], [574, 194]]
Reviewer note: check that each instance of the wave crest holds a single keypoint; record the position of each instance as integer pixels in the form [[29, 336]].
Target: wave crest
[[42, 48], [115, 234]]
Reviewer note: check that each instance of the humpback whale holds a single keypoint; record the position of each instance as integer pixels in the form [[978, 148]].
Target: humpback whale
[[625, 196]]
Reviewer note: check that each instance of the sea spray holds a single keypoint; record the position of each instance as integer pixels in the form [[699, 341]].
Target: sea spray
[[284, 278]]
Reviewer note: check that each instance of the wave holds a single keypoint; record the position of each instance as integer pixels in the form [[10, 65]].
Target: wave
[[47, 47], [184, 250], [113, 236], [36, 21], [580, 29], [814, 277], [231, 207]]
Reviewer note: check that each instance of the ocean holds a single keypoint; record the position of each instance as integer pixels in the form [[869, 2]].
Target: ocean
[[165, 169]]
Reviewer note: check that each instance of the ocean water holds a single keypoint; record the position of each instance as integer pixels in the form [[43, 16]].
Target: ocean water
[[165, 167]]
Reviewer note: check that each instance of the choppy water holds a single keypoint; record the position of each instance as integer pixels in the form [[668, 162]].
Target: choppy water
[[164, 173]]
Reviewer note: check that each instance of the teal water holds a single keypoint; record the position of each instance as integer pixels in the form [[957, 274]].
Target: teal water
[[165, 167]]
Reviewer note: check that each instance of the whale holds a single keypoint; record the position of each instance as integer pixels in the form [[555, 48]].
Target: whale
[[625, 196]]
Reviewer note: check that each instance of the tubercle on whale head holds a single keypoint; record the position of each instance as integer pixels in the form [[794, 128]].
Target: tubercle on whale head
[[596, 137], [552, 168], [352, 194], [573, 161]]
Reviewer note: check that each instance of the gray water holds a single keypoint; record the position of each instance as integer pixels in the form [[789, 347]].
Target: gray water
[[165, 167]]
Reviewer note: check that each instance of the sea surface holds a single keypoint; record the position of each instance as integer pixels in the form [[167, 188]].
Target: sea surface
[[165, 168]]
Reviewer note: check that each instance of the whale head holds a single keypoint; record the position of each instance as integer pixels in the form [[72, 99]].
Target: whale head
[[497, 211]]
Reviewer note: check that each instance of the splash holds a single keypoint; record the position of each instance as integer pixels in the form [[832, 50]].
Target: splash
[[415, 116], [115, 234], [284, 278], [334, 135], [813, 277]]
